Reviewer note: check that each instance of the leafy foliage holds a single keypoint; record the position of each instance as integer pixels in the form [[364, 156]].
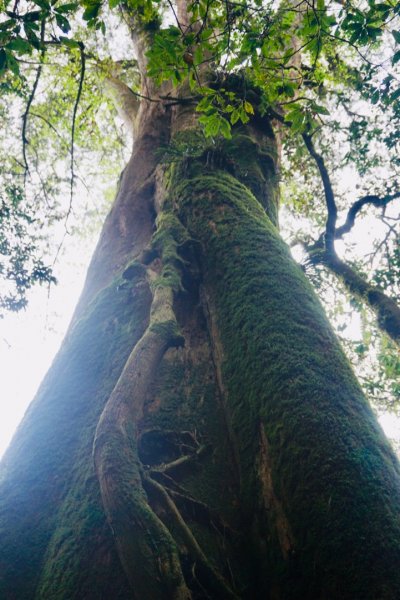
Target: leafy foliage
[[46, 171], [20, 267]]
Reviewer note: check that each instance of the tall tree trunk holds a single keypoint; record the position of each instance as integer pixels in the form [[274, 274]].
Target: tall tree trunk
[[200, 433]]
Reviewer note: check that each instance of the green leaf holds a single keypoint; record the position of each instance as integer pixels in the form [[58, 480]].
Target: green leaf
[[395, 95], [204, 104], [43, 4], [3, 59], [63, 23], [296, 118], [248, 108], [8, 24], [235, 116], [396, 58], [32, 37], [29, 17], [91, 10], [198, 55], [192, 80], [225, 128], [396, 35], [101, 26], [12, 63], [113, 3], [320, 110], [68, 42], [176, 77], [67, 8], [243, 115], [20, 45], [375, 97]]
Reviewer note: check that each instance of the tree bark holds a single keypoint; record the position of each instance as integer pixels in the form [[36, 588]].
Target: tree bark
[[200, 433]]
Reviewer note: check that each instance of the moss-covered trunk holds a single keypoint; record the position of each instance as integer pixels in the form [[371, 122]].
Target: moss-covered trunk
[[200, 434]]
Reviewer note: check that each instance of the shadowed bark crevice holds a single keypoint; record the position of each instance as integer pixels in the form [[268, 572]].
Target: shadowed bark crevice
[[272, 504]]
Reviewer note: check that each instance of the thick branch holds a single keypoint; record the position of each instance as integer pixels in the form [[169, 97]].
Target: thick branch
[[74, 114], [385, 308], [31, 98], [125, 100], [179, 462], [331, 232]]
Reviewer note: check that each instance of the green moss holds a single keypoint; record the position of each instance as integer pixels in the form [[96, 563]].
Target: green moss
[[332, 470], [169, 236], [250, 156], [169, 331], [184, 409], [48, 472], [147, 550], [254, 165], [134, 270]]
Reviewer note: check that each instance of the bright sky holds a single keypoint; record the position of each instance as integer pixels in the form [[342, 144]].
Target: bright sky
[[30, 339]]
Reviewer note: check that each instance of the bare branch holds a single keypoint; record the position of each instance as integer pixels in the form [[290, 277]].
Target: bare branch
[[385, 308], [74, 113], [25, 116], [50, 125], [377, 201], [330, 229]]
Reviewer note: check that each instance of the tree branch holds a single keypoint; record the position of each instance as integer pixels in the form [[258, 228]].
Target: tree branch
[[330, 229], [137, 529], [25, 116], [377, 201], [74, 113], [125, 101], [385, 308], [179, 462]]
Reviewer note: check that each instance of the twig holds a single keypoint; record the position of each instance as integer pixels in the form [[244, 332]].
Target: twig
[[182, 460], [49, 125], [74, 113], [25, 116]]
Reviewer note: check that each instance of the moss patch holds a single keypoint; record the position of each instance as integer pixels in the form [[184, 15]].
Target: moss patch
[[332, 470], [48, 471]]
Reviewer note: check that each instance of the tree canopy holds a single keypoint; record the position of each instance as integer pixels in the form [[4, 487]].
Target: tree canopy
[[325, 73]]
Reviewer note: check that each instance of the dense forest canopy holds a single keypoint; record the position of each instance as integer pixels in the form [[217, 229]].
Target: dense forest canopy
[[326, 73]]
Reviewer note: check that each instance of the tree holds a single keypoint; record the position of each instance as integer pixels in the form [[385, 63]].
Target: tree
[[201, 433]]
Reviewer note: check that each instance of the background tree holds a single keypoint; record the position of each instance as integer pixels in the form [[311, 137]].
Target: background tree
[[201, 433]]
